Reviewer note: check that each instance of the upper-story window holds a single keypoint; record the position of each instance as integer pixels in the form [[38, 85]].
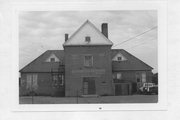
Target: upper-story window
[[87, 39], [52, 59], [88, 60]]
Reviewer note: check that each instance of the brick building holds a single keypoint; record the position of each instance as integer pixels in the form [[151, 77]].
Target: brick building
[[86, 66]]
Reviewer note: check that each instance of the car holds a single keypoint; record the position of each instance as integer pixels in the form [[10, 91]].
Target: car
[[148, 88]]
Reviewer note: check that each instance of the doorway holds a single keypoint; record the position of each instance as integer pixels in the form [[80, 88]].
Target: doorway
[[122, 89], [89, 87]]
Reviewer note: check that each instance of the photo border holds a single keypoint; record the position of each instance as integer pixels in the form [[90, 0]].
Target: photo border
[[161, 8]]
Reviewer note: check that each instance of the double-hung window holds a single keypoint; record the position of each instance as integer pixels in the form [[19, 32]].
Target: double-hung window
[[32, 81], [88, 60], [117, 77], [57, 79]]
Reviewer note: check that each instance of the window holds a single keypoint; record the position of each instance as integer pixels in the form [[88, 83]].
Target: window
[[57, 79], [143, 77], [32, 81], [117, 77], [87, 39], [52, 59], [22, 82], [138, 78], [114, 76], [119, 58], [88, 61]]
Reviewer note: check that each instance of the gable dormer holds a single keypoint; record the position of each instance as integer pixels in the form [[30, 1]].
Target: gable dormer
[[52, 58], [119, 57], [88, 34]]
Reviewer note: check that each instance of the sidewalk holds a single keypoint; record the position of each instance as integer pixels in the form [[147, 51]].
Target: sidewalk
[[87, 100]]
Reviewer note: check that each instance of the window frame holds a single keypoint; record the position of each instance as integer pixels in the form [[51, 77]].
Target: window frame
[[53, 59], [120, 59], [85, 60], [88, 39], [57, 76], [115, 77], [32, 81], [120, 73], [138, 77], [143, 77]]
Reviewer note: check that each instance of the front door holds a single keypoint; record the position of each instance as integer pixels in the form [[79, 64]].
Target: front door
[[89, 87]]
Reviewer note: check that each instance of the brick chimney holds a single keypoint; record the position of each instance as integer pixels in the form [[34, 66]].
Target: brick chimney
[[66, 37], [104, 29]]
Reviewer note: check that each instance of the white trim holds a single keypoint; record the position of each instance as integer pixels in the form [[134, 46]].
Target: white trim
[[119, 54], [52, 55], [109, 42]]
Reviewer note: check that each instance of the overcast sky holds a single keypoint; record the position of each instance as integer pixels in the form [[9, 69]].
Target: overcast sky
[[41, 31]]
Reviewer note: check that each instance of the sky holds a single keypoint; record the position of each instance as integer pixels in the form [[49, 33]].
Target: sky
[[44, 30]]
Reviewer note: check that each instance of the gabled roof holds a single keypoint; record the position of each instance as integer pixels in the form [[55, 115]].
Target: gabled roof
[[87, 29], [132, 62], [41, 65]]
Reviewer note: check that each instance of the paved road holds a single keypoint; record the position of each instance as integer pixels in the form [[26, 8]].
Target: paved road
[[80, 100]]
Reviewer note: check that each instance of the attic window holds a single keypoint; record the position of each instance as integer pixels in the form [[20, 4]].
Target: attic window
[[119, 58], [87, 39], [52, 59]]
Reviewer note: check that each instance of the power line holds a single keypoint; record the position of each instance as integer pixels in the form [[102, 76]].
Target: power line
[[139, 44], [136, 36]]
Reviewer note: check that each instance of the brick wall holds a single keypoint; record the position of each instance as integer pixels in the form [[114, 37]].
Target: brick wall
[[130, 76], [45, 86], [75, 69]]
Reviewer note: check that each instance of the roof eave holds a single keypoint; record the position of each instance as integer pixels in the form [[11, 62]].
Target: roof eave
[[131, 69], [88, 45]]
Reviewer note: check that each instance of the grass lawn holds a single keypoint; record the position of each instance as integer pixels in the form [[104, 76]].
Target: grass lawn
[[86, 100]]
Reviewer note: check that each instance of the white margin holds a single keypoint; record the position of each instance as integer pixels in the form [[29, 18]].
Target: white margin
[[86, 6]]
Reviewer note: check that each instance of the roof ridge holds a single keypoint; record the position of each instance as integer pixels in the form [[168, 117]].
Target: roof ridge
[[90, 23], [33, 60]]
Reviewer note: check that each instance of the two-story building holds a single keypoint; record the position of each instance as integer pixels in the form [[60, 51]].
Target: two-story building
[[86, 66]]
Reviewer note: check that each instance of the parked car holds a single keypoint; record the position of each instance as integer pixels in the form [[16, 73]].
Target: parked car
[[149, 88]]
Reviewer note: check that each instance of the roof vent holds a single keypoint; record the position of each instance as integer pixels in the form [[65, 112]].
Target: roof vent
[[88, 39]]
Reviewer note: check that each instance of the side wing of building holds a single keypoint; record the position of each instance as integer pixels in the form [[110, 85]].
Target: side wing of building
[[129, 72], [44, 75]]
